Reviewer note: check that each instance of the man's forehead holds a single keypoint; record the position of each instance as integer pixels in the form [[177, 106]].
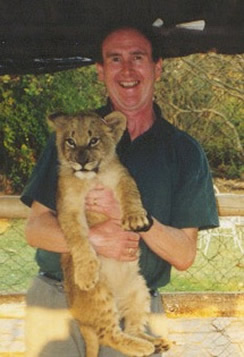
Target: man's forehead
[[126, 39], [119, 52]]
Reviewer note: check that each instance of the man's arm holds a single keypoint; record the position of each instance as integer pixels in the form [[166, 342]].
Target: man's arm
[[43, 231], [108, 239], [176, 246]]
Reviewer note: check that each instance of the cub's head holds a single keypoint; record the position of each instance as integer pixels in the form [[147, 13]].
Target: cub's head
[[85, 141]]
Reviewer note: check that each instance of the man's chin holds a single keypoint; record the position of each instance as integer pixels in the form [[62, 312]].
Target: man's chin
[[127, 105]]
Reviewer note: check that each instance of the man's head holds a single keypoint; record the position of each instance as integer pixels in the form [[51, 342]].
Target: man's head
[[129, 69], [147, 32]]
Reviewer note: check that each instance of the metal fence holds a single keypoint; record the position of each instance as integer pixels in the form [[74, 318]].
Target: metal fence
[[17, 264], [218, 266], [219, 263]]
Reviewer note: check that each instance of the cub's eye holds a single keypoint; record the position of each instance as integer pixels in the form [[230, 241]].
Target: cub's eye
[[71, 142], [94, 141]]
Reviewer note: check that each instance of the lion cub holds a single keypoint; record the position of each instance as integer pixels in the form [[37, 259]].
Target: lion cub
[[101, 291]]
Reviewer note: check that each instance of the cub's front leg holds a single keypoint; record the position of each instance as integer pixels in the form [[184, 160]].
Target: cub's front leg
[[72, 219], [134, 216]]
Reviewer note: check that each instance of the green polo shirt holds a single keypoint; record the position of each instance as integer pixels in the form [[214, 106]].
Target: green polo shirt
[[173, 176]]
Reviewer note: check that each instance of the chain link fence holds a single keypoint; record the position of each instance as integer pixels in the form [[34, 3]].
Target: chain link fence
[[203, 94], [220, 260], [219, 264], [17, 264], [218, 267]]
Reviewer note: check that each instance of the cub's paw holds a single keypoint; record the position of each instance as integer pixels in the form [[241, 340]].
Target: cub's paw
[[141, 348], [141, 222], [161, 345], [86, 274]]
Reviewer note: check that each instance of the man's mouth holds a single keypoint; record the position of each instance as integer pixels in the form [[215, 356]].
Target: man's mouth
[[130, 84]]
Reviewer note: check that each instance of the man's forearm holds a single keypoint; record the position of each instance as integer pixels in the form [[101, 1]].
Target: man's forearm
[[177, 246], [43, 231]]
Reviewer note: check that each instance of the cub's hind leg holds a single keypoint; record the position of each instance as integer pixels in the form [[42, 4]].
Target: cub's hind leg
[[110, 333], [128, 345], [135, 326], [160, 344], [91, 341], [136, 311], [97, 310]]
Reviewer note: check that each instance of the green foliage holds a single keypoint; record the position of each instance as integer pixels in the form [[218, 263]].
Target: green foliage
[[76, 90], [23, 131]]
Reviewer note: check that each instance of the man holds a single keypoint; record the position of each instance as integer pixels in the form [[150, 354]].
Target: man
[[171, 172]]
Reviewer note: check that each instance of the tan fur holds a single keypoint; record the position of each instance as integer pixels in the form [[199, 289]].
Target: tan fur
[[100, 291]]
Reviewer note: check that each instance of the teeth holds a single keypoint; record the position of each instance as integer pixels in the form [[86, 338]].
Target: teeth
[[129, 84]]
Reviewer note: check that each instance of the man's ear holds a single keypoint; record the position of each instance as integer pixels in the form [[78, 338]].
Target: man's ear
[[158, 69], [57, 120], [117, 122], [100, 71]]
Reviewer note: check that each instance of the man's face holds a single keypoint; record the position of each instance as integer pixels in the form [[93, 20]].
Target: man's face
[[128, 70]]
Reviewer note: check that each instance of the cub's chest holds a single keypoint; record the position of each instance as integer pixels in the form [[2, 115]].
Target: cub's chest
[[120, 276]]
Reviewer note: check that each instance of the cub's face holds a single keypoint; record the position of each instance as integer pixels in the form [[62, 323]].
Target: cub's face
[[86, 142]]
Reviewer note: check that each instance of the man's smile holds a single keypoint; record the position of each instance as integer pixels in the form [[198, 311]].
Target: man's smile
[[130, 84]]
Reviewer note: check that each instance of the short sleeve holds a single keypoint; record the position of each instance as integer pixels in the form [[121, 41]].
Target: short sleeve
[[194, 203], [42, 184]]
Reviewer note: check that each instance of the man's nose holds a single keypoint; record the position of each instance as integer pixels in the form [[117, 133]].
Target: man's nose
[[127, 66]]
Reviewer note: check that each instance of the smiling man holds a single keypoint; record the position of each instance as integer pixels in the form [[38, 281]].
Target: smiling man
[[173, 176], [129, 73]]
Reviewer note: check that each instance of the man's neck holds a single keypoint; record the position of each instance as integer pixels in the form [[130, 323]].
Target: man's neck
[[139, 122], [136, 126]]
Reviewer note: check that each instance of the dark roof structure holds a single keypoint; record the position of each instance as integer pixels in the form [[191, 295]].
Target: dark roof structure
[[41, 36]]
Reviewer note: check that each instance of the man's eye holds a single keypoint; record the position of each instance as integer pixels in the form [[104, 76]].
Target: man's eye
[[71, 143], [115, 59], [138, 57], [94, 141]]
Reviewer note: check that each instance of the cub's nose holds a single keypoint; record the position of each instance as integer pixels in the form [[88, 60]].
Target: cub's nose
[[83, 157]]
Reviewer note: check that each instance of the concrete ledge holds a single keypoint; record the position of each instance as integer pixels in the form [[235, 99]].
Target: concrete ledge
[[198, 304], [12, 207], [204, 304], [228, 205]]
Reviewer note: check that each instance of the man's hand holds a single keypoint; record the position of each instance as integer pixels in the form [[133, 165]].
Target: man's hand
[[111, 241], [102, 200], [108, 238]]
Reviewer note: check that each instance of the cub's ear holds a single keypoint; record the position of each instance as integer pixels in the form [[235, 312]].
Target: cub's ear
[[117, 122], [57, 120]]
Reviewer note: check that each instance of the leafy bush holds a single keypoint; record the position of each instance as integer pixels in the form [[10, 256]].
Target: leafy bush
[[23, 129]]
